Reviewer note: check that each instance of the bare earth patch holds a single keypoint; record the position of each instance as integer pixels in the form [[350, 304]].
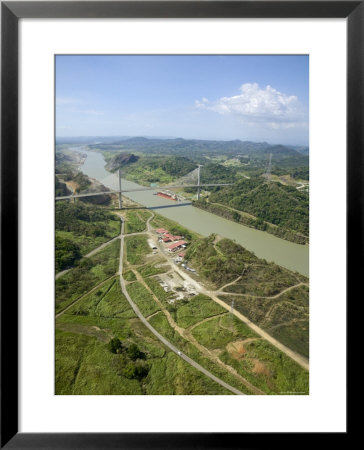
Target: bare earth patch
[[236, 349], [260, 368]]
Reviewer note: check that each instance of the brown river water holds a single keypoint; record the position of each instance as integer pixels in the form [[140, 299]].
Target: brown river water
[[264, 245]]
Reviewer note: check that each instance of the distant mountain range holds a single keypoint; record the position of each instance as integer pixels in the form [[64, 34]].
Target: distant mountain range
[[88, 140], [192, 148]]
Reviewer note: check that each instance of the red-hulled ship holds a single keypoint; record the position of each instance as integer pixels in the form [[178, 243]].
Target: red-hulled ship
[[167, 195]]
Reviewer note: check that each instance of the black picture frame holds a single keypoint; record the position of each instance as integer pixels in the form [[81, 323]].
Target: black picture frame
[[11, 12]]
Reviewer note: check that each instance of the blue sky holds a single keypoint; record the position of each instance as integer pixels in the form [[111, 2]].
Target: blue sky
[[257, 98]]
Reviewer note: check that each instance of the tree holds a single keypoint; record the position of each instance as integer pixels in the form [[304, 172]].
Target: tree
[[134, 353], [115, 345], [141, 370], [67, 253], [129, 371]]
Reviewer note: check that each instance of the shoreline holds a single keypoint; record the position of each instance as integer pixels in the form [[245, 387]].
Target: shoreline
[[265, 245]]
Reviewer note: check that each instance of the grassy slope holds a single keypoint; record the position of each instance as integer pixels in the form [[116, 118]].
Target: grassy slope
[[197, 309], [85, 366], [160, 323], [136, 221], [85, 227], [89, 243], [256, 360], [285, 317], [142, 298], [86, 275], [136, 248]]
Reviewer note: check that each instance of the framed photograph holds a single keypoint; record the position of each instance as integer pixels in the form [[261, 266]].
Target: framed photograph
[[181, 190]]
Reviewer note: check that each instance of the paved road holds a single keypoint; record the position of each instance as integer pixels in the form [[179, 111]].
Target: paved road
[[155, 332]]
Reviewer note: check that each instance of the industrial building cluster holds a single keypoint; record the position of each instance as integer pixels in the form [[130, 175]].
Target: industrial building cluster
[[177, 242]]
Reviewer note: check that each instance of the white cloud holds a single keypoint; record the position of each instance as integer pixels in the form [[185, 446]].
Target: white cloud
[[256, 106]]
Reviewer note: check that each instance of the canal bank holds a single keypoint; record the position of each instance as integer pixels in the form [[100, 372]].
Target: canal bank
[[287, 254]]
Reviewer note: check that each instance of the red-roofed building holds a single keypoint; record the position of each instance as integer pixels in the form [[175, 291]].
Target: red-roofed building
[[161, 231], [171, 237], [182, 255], [176, 245]]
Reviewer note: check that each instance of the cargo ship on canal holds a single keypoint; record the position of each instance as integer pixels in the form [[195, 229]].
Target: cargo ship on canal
[[168, 195]]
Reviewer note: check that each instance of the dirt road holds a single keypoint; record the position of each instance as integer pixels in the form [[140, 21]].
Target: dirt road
[[159, 336]]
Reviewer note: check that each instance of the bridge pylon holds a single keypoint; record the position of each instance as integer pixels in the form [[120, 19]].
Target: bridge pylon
[[120, 197]]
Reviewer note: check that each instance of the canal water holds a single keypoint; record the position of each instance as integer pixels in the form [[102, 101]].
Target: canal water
[[264, 245]]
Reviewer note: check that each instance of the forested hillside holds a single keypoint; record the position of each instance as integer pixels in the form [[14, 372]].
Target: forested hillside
[[275, 208], [150, 169], [79, 229]]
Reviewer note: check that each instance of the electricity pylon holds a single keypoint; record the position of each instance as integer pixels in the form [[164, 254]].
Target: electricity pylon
[[198, 181], [269, 168]]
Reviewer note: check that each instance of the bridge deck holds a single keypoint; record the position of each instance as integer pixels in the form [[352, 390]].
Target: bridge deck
[[92, 194]]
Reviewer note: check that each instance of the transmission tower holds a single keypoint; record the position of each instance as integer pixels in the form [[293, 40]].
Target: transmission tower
[[198, 181], [269, 168], [232, 307]]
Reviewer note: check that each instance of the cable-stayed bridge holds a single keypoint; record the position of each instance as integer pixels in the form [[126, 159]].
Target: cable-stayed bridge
[[120, 191]]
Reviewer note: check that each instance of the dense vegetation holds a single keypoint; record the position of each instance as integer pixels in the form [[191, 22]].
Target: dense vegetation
[[196, 149], [80, 229], [67, 252], [299, 173], [150, 169], [272, 206], [86, 366], [217, 173], [61, 188], [87, 274], [220, 262], [250, 221], [101, 346], [82, 219], [103, 349]]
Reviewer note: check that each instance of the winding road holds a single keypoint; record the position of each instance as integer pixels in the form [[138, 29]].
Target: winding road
[[303, 362], [155, 332]]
